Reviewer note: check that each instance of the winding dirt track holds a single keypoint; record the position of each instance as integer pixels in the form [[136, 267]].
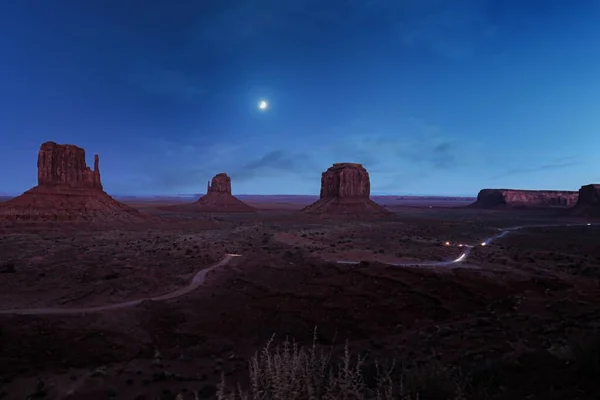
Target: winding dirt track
[[200, 278]]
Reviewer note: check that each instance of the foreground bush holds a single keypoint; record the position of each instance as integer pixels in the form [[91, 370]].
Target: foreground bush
[[290, 372]]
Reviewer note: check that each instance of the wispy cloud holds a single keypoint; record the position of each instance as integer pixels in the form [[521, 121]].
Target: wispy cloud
[[415, 144], [274, 163], [190, 165], [557, 164], [393, 159]]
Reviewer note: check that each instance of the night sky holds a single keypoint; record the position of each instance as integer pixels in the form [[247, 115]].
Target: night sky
[[434, 97]]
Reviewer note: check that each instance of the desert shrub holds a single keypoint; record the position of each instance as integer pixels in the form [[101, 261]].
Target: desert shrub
[[291, 372]]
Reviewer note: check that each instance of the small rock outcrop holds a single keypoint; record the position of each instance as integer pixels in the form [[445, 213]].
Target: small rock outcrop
[[218, 198], [588, 203], [345, 190], [67, 190], [514, 198]]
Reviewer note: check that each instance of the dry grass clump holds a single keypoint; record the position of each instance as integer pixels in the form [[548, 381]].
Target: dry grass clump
[[291, 372]]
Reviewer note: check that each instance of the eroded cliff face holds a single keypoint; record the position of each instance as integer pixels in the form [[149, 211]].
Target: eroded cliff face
[[64, 164], [345, 190], [513, 198], [345, 180], [67, 190]]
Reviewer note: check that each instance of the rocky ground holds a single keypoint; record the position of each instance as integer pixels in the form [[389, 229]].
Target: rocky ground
[[511, 317]]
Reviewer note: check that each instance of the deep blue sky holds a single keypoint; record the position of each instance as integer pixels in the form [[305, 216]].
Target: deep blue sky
[[432, 96]]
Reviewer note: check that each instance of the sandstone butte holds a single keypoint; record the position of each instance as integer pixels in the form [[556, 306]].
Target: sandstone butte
[[514, 198], [345, 190], [588, 203], [218, 198], [67, 190]]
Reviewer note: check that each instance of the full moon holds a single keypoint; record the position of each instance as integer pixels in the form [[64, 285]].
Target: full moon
[[263, 105]]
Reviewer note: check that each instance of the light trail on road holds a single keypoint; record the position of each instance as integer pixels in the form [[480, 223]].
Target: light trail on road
[[467, 252]]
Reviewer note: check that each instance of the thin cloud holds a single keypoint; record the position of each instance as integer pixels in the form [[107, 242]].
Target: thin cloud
[[274, 163], [419, 150], [435, 155], [402, 158], [556, 165]]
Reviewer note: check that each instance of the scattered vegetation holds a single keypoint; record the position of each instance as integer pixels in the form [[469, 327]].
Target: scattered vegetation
[[288, 371]]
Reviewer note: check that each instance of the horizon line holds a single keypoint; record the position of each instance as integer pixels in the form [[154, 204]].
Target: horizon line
[[267, 195]]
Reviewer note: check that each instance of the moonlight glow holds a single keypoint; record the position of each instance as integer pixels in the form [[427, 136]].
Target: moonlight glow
[[263, 105]]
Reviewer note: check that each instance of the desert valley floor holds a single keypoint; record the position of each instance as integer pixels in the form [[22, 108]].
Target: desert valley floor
[[519, 316]]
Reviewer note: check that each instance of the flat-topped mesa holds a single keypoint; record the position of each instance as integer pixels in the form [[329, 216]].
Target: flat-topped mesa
[[345, 190], [588, 203], [221, 183], [514, 198], [64, 165]]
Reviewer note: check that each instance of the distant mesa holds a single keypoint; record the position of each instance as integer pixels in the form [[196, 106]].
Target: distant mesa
[[218, 198], [514, 198], [588, 203], [345, 190], [67, 190]]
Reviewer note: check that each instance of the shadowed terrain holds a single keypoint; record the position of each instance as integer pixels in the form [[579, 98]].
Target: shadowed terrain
[[519, 298]]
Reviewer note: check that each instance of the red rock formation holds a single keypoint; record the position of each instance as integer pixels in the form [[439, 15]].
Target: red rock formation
[[65, 165], [588, 203], [345, 180], [512, 198], [345, 190], [67, 190], [221, 183], [218, 198]]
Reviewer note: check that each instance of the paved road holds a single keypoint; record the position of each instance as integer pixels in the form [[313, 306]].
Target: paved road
[[198, 279], [468, 248]]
